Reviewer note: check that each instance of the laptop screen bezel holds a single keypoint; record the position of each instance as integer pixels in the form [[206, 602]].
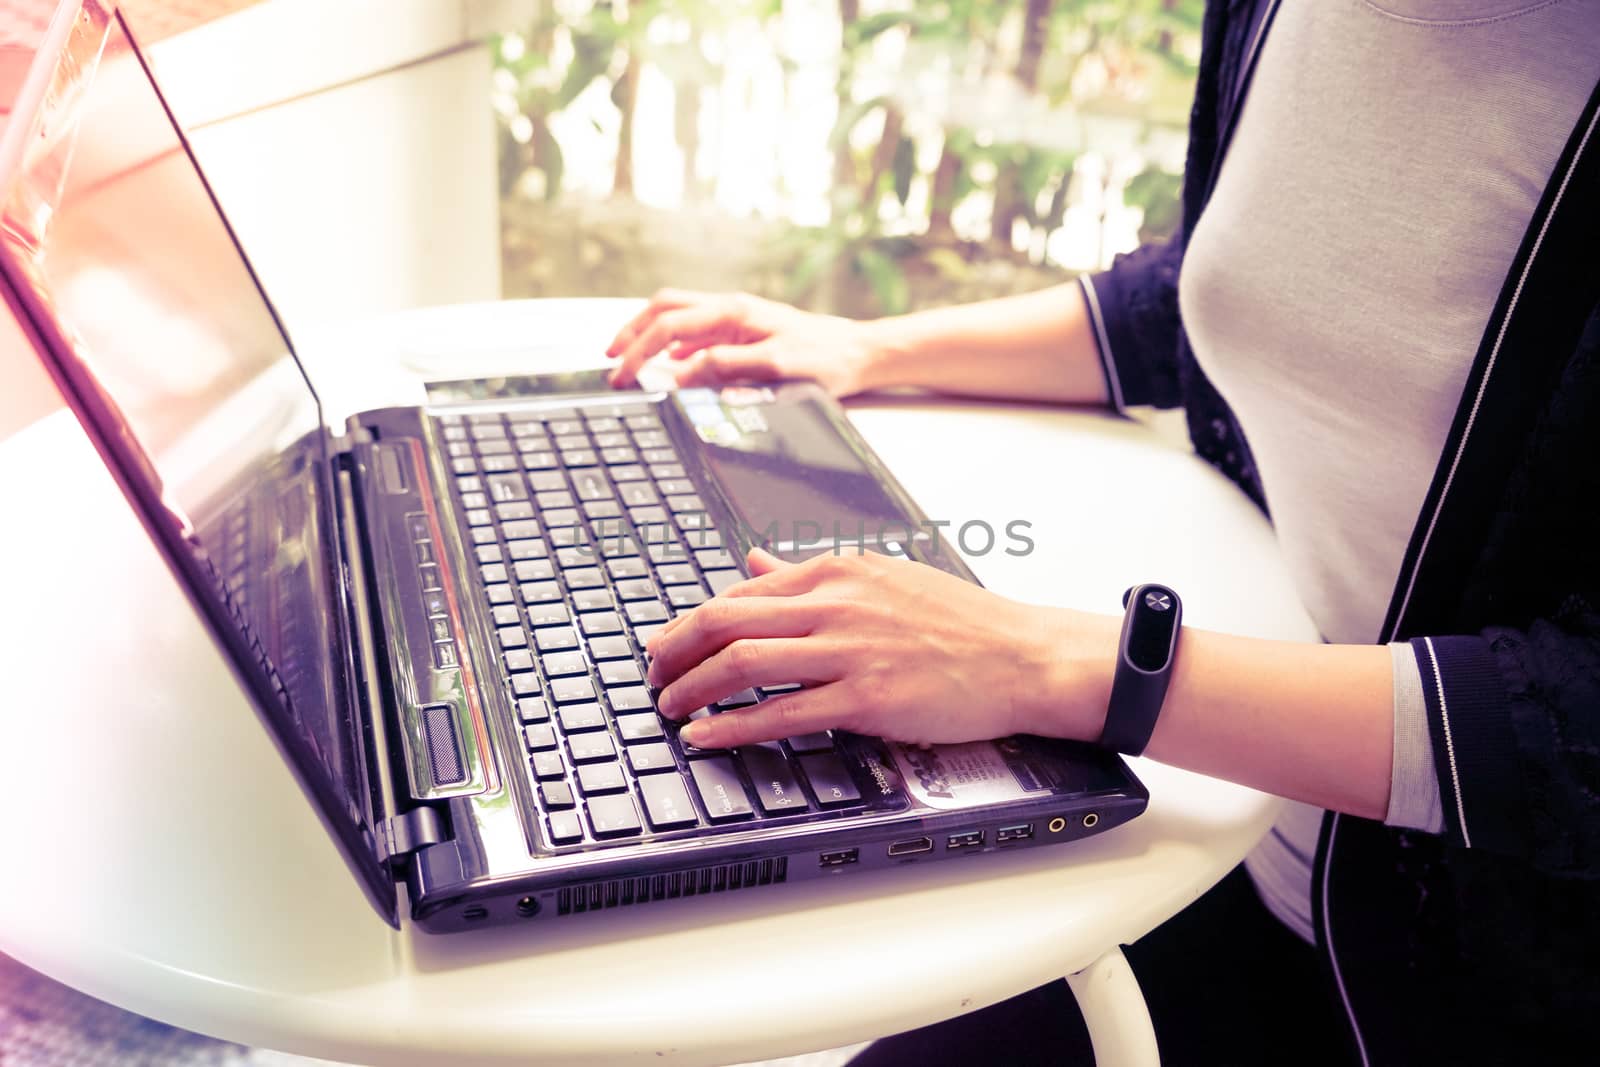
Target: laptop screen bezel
[[350, 820]]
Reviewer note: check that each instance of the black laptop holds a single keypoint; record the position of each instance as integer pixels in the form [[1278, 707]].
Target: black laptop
[[440, 611]]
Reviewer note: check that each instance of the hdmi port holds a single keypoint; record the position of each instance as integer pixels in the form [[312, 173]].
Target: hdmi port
[[912, 847]]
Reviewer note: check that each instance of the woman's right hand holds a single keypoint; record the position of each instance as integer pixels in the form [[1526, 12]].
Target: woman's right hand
[[715, 339]]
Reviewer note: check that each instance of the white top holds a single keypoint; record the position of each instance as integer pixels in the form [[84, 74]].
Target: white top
[[1382, 174], [167, 863]]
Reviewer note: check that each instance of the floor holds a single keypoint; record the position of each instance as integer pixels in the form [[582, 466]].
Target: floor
[[46, 1024]]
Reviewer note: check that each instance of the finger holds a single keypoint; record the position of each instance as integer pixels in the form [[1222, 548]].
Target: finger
[[716, 624], [724, 364], [803, 712], [758, 560], [705, 322], [664, 300], [748, 663], [771, 576]]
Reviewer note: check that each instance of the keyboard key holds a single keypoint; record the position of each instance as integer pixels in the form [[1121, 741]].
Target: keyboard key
[[560, 517], [600, 623], [643, 421], [585, 578], [630, 473], [556, 795], [777, 788], [592, 599], [618, 456], [638, 494], [555, 639], [674, 487], [528, 549], [525, 685], [630, 698], [538, 737], [565, 664], [547, 481], [565, 826], [542, 460], [547, 614], [818, 742], [547, 765], [620, 672], [686, 596], [520, 530], [653, 439], [651, 758], [505, 487], [721, 581], [666, 802], [571, 690], [517, 509], [720, 788], [513, 637], [565, 426], [642, 727], [686, 503], [829, 780], [533, 570], [464, 465], [494, 446], [575, 718], [677, 574], [518, 660], [597, 778], [742, 699], [605, 508], [569, 439], [647, 518], [482, 535], [610, 648], [479, 517], [662, 470], [575, 556], [555, 498], [579, 457], [493, 573], [506, 615], [591, 485], [506, 462], [614, 816], [591, 747], [636, 589], [541, 592], [642, 634], [533, 709], [627, 570], [669, 551], [645, 611], [488, 553]]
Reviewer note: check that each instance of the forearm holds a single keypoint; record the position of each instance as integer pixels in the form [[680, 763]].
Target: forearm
[[1309, 722], [1035, 346]]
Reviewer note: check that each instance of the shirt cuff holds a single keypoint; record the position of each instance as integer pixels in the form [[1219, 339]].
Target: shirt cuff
[[1102, 343], [1414, 780]]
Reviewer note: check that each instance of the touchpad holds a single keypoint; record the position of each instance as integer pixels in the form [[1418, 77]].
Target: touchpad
[[792, 477]]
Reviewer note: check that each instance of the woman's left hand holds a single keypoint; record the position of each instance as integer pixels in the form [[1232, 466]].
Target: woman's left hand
[[886, 647]]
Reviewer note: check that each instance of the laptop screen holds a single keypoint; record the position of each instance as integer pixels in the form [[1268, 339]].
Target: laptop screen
[[179, 367]]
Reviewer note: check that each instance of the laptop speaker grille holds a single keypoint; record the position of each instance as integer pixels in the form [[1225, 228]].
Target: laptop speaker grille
[[444, 752], [622, 892]]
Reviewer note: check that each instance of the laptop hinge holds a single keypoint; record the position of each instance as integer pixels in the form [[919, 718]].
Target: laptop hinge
[[401, 835]]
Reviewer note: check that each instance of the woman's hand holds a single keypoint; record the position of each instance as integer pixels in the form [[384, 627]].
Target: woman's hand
[[720, 338], [885, 647]]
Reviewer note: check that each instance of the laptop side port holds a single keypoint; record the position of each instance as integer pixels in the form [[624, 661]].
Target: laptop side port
[[839, 858], [1013, 833], [970, 839], [911, 847]]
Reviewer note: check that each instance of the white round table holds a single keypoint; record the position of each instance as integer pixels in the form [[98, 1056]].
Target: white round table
[[160, 856]]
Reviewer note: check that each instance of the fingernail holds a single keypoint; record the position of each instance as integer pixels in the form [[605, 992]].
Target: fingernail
[[664, 701], [694, 732]]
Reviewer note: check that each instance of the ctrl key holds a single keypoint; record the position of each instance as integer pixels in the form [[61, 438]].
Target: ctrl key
[[613, 816], [565, 826]]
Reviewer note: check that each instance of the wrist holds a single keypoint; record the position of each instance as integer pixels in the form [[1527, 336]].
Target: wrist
[[1066, 675], [888, 353]]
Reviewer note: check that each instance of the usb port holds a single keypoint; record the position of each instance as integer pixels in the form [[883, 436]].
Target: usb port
[[840, 858], [911, 847], [1013, 833], [970, 839]]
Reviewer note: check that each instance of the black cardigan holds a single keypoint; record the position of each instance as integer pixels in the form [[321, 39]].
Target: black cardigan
[[1485, 942]]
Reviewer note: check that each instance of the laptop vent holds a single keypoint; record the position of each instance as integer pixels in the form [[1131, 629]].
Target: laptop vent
[[625, 891]]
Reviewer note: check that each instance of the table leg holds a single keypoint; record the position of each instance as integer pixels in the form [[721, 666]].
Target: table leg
[[1115, 1012]]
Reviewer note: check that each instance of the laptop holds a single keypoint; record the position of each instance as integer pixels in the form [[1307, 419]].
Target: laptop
[[440, 611]]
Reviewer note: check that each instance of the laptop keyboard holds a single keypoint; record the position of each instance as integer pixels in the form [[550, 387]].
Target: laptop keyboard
[[588, 536]]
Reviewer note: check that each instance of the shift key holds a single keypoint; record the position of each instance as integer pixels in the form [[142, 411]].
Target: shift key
[[720, 788], [776, 788]]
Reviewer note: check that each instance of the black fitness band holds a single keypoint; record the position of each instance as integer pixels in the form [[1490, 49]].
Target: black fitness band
[[1145, 653]]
